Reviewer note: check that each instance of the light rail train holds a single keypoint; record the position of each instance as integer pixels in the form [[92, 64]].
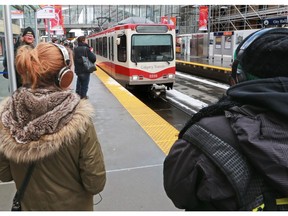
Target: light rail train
[[137, 55]]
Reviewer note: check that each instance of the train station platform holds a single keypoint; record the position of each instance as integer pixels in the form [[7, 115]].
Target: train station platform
[[215, 69], [134, 141]]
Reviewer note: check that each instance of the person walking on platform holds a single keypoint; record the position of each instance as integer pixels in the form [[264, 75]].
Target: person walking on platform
[[27, 38], [47, 130], [232, 155], [83, 76]]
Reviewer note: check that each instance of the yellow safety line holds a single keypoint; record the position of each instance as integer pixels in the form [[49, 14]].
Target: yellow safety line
[[163, 134], [204, 65]]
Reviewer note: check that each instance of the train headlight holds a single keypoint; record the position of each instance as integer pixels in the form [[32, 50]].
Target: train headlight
[[170, 76], [135, 77]]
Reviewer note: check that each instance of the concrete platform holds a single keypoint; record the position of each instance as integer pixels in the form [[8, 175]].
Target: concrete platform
[[134, 162]]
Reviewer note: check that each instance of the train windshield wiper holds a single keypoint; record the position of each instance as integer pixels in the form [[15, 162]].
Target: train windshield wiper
[[135, 60]]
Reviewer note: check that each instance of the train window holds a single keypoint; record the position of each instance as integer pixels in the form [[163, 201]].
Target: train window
[[152, 47], [97, 46], [122, 49], [100, 47], [109, 48], [105, 47], [112, 48], [94, 45]]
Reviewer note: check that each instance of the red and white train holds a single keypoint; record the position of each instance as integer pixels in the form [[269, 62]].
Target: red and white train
[[137, 55]]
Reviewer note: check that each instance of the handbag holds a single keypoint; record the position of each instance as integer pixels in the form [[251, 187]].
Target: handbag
[[16, 206], [89, 66]]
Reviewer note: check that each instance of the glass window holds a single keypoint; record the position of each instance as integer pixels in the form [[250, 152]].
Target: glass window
[[100, 47], [122, 49], [136, 11], [66, 14], [120, 16], [149, 48], [105, 47], [112, 48]]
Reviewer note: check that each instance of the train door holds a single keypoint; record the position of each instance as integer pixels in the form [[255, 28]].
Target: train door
[[111, 55], [121, 49]]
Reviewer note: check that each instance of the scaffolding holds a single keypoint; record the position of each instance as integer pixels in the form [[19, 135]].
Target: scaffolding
[[230, 17]]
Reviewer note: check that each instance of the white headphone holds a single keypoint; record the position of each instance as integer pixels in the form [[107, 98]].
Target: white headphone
[[65, 75]]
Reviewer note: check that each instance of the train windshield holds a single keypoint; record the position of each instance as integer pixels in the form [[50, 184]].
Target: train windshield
[[151, 48]]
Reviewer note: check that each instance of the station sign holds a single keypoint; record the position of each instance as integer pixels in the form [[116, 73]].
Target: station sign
[[275, 21], [47, 12], [17, 14]]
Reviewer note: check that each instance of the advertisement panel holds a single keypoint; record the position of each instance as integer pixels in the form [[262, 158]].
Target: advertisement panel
[[56, 23], [203, 18]]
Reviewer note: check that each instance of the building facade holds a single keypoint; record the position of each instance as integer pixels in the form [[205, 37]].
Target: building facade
[[97, 17]]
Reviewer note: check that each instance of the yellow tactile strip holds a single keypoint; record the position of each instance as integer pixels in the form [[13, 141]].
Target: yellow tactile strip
[[163, 134], [204, 65]]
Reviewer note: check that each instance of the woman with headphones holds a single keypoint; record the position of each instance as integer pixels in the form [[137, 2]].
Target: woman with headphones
[[47, 137]]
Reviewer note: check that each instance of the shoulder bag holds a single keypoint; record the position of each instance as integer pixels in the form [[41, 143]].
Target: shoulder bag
[[89, 66], [16, 206]]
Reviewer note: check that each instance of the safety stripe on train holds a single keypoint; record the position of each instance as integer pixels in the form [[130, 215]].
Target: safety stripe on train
[[133, 71], [162, 133]]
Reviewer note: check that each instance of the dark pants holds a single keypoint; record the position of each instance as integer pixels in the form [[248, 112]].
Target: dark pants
[[82, 84]]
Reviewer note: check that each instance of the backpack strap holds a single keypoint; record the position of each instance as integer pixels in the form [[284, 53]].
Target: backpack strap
[[227, 159], [251, 189], [230, 161]]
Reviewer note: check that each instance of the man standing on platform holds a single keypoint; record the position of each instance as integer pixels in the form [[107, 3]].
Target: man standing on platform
[[27, 38]]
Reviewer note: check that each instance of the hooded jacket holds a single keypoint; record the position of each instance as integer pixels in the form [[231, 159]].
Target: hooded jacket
[[257, 129], [54, 129]]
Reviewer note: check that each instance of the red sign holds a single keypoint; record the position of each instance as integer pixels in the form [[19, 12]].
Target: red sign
[[172, 20], [203, 18], [56, 24]]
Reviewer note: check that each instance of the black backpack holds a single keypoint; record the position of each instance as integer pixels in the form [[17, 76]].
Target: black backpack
[[252, 189]]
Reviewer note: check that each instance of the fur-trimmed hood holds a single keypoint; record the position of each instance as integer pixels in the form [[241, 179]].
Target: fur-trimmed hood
[[58, 125]]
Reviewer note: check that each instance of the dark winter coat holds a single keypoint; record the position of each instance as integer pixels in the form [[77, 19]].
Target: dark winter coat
[[82, 50], [17, 45], [257, 129]]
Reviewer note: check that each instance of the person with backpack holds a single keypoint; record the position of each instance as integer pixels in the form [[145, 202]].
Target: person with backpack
[[232, 155]]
